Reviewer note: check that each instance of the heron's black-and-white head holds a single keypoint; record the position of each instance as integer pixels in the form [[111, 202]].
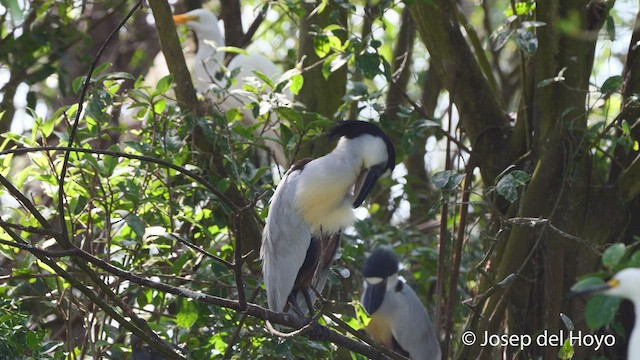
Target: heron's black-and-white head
[[373, 146], [381, 275]]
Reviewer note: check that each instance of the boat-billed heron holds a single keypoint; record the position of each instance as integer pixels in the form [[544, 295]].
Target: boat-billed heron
[[399, 321], [312, 204]]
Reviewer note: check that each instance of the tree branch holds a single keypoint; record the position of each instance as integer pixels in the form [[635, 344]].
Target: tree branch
[[251, 309]]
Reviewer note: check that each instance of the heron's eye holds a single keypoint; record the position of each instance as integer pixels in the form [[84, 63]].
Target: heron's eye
[[374, 280]]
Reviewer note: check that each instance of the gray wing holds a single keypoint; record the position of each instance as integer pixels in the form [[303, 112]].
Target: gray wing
[[285, 240], [413, 329]]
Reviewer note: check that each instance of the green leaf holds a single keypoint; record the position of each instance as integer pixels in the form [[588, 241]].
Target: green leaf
[[634, 260], [297, 81], [611, 28], [264, 78], [324, 43], [326, 66], [612, 256], [508, 188], [136, 224], [101, 343], [508, 185], [320, 8], [446, 180], [100, 68], [117, 75], [369, 64], [440, 179], [233, 49], [187, 313], [164, 84], [587, 283], [521, 177], [77, 84], [500, 38], [600, 310], [47, 127], [32, 340], [566, 351], [522, 8], [611, 84], [567, 322]]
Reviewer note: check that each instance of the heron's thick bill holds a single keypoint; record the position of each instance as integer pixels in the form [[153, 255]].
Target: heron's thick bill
[[373, 297], [365, 182]]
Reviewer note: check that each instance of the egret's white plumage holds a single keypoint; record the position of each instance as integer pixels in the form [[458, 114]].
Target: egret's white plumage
[[399, 321], [625, 284], [213, 79], [311, 205]]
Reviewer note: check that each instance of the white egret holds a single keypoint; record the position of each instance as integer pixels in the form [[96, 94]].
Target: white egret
[[624, 284], [212, 78]]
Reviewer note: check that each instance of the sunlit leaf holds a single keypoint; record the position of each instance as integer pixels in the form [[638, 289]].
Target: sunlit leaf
[[164, 84], [187, 313]]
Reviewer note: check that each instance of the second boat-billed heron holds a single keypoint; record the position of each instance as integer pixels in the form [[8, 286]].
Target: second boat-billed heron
[[399, 321], [312, 204]]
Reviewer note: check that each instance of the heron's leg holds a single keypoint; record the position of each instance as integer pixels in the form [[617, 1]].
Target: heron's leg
[[307, 298], [294, 305]]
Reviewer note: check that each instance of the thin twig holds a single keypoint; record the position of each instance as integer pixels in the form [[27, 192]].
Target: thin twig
[[200, 250], [456, 259], [29, 229]]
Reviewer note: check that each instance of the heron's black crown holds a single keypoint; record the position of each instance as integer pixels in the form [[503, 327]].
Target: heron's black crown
[[381, 263], [353, 128]]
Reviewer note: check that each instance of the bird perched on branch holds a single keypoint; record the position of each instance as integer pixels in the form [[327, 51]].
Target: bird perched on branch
[[312, 204], [624, 284], [399, 321], [224, 84]]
